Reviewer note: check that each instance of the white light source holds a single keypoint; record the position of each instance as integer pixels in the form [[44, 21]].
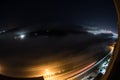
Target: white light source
[[103, 71], [22, 36]]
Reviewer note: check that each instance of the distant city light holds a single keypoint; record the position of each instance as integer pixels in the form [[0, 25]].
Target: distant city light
[[48, 72], [48, 75], [22, 36]]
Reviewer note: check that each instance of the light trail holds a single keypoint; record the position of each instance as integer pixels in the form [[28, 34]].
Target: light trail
[[80, 71], [74, 77]]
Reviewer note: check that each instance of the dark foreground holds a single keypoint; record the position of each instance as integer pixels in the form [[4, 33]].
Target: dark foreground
[[10, 78]]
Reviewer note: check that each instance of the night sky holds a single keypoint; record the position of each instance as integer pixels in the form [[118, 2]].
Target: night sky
[[100, 13]]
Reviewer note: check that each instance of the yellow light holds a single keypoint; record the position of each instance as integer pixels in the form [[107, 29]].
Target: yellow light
[[47, 72], [111, 48], [48, 75]]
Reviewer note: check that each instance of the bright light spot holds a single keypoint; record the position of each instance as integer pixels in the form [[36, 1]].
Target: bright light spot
[[48, 75], [103, 71], [22, 36], [111, 48], [104, 66], [47, 72]]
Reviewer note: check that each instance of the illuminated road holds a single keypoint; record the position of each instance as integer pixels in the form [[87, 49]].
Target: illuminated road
[[80, 69], [70, 74]]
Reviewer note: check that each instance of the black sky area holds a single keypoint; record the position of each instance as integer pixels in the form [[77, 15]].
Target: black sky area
[[100, 13]]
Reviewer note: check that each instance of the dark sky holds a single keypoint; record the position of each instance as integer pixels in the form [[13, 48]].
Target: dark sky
[[100, 13]]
